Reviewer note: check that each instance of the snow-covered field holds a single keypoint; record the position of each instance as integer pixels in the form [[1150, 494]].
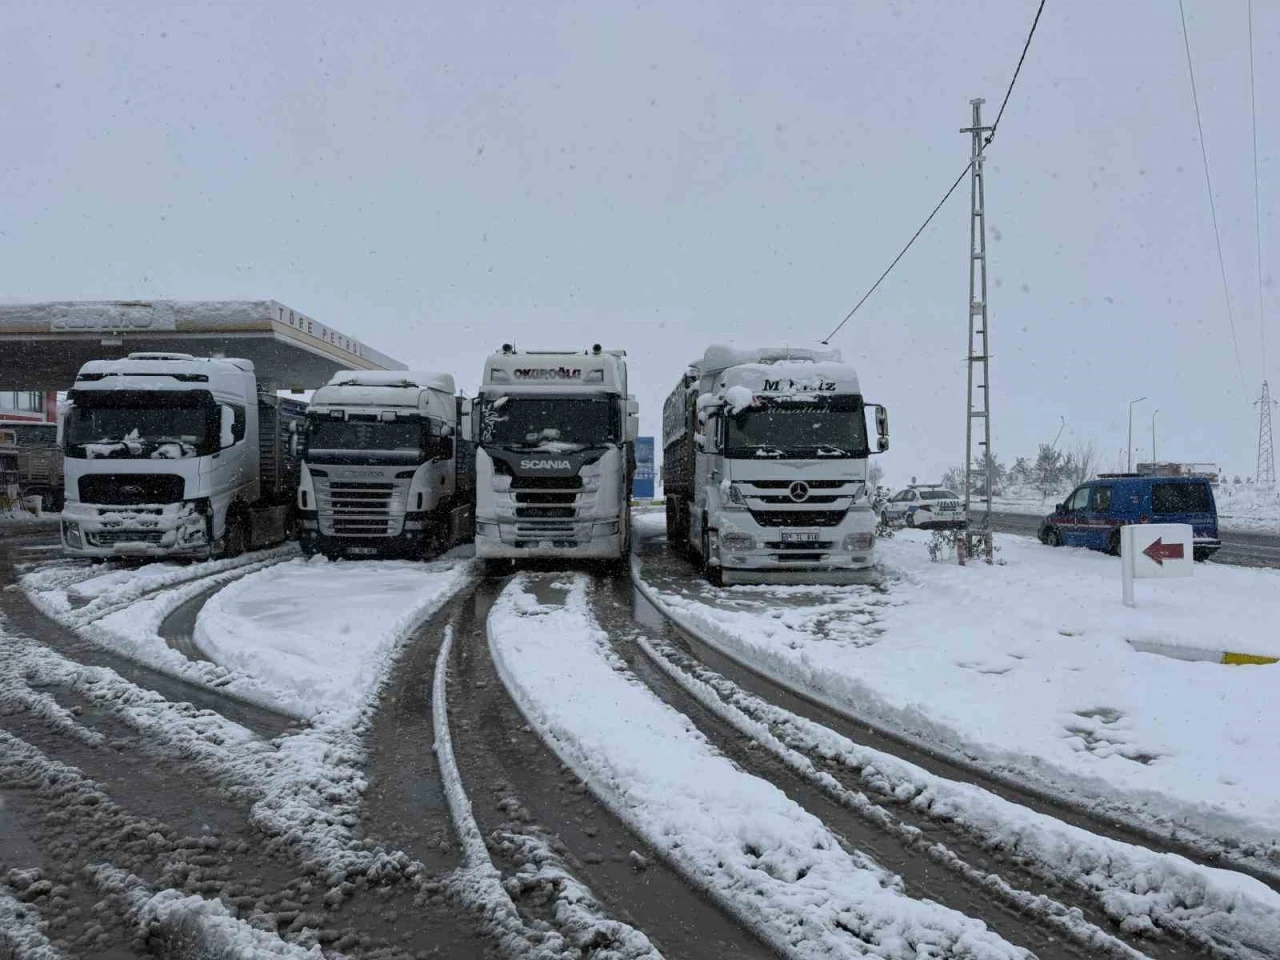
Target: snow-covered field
[[741, 839], [1025, 668], [1240, 506]]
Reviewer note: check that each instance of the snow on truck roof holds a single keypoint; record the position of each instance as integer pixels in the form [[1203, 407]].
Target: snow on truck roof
[[785, 371], [420, 379]]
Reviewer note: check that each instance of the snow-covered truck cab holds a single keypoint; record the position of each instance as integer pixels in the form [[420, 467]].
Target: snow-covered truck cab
[[170, 455], [765, 466], [384, 472], [555, 455]]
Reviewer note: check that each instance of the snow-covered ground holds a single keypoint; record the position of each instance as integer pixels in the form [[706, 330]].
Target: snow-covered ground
[[1240, 506], [1026, 669], [323, 631], [741, 839]]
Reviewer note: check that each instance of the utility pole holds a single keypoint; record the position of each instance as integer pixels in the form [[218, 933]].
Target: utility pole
[[979, 357], [1266, 474], [1154, 458]]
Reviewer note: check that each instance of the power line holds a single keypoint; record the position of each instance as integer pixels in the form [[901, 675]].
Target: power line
[[950, 190], [927, 220], [1257, 203], [1213, 206]]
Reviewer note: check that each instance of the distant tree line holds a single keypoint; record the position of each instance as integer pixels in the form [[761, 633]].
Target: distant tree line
[[1051, 470]]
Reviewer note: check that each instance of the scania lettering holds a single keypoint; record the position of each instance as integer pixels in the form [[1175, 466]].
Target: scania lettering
[[384, 472], [555, 455], [765, 467], [170, 455]]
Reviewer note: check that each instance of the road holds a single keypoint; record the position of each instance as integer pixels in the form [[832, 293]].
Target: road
[[119, 783], [1242, 548]]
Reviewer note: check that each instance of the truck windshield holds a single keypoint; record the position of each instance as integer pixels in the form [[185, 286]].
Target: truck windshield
[[832, 427], [558, 424], [141, 425], [332, 440]]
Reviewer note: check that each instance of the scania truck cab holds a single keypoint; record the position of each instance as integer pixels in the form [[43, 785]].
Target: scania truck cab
[[170, 455], [765, 467], [384, 472], [555, 455]]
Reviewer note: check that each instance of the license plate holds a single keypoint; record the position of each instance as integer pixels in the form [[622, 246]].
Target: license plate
[[363, 551], [800, 536]]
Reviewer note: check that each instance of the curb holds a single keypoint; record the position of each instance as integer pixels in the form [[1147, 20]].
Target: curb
[[1201, 654]]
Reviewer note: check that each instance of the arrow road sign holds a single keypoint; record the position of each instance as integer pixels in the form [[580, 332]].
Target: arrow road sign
[[1161, 551]]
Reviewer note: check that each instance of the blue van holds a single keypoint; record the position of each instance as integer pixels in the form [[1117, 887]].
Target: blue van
[[1094, 513]]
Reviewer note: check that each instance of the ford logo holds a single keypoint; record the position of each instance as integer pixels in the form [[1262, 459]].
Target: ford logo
[[132, 489], [799, 491]]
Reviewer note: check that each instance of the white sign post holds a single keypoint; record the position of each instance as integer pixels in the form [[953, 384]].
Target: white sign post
[[1154, 550]]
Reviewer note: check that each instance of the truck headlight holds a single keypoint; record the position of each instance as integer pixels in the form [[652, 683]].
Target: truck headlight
[[591, 482], [859, 542], [737, 542], [71, 534], [604, 529], [736, 499]]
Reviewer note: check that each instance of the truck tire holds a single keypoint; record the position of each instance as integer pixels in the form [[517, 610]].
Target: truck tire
[[236, 539], [714, 575]]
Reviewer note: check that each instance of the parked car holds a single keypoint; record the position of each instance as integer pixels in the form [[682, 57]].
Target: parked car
[[1094, 513], [927, 506]]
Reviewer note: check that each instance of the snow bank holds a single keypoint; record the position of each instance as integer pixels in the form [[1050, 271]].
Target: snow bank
[[762, 856], [323, 631], [1140, 889], [1025, 669], [20, 932], [206, 927]]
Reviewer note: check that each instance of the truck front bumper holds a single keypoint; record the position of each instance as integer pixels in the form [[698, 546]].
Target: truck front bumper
[[502, 541], [144, 530], [751, 553]]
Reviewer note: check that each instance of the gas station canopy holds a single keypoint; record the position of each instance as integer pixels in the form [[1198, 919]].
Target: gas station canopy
[[43, 345]]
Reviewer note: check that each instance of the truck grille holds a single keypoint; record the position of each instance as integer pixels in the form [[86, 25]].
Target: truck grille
[[812, 484], [360, 508], [546, 498], [131, 488], [798, 518], [109, 538]]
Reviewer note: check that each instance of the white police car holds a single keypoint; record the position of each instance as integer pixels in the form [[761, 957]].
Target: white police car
[[924, 505]]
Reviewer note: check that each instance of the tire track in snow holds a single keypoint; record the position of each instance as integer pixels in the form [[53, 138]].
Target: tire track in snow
[[1120, 824], [535, 812], [1030, 917]]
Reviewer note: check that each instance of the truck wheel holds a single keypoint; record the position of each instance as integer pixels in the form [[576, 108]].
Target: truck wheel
[[497, 568], [714, 575], [236, 539], [911, 520]]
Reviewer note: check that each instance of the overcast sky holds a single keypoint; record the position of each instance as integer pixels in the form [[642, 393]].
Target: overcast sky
[[436, 178]]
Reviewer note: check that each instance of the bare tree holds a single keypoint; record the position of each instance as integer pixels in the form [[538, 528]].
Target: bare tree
[[1083, 462]]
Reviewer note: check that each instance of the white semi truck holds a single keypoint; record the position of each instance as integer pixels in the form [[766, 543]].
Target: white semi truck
[[170, 455], [765, 466], [555, 455], [384, 470]]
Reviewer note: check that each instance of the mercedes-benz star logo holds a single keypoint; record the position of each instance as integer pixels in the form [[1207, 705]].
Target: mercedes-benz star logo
[[799, 491]]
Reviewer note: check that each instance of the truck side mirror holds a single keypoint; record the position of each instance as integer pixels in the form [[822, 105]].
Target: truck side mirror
[[465, 424], [700, 441], [882, 429], [447, 430], [633, 419], [226, 435], [294, 445]]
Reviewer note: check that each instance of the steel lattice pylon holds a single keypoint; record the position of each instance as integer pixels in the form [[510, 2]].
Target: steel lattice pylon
[[979, 398], [1266, 474]]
